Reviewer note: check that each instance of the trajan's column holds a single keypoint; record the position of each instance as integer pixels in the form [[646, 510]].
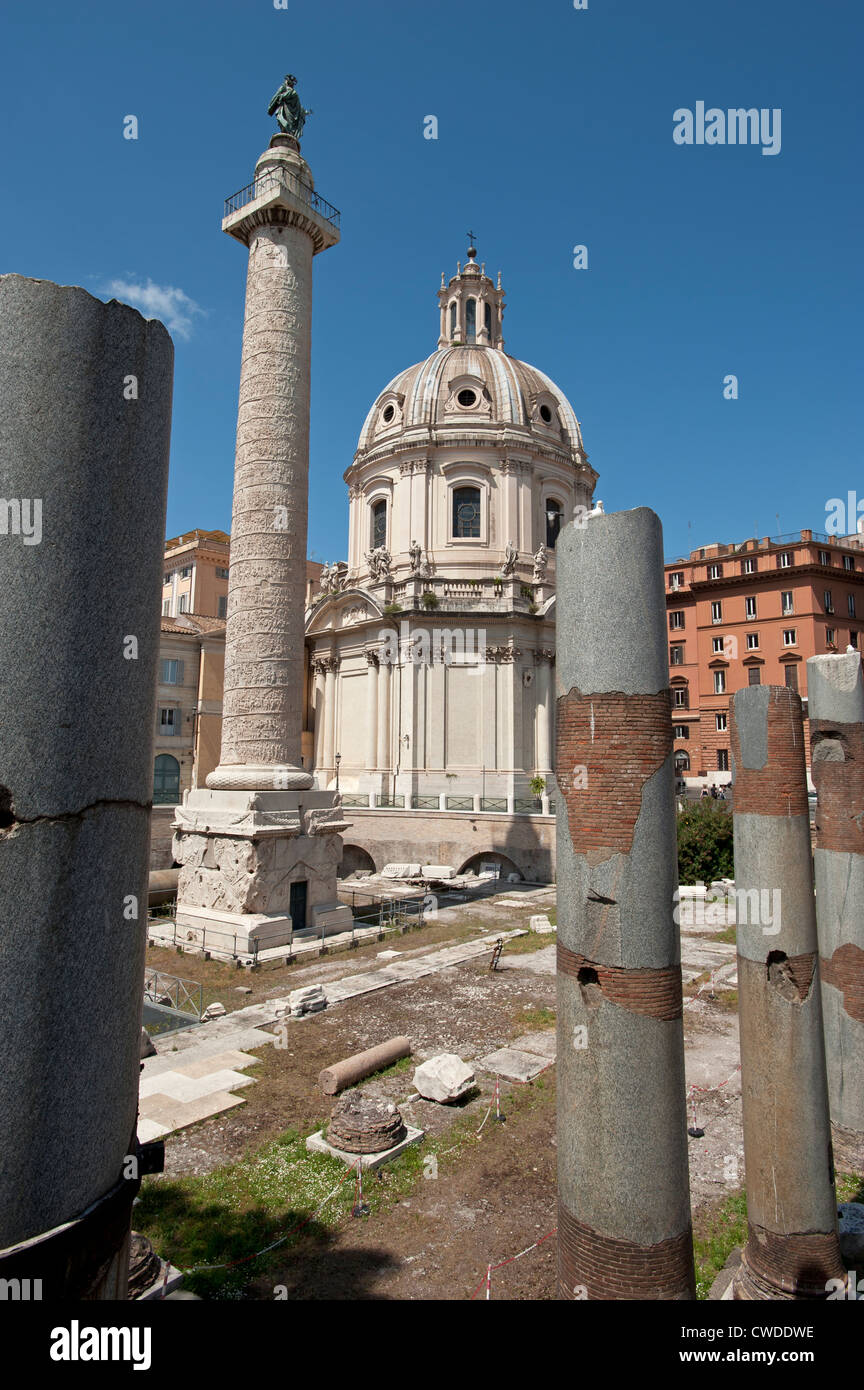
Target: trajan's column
[[259, 848]]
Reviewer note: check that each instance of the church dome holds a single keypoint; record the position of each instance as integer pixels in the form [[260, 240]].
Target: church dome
[[471, 386], [465, 388]]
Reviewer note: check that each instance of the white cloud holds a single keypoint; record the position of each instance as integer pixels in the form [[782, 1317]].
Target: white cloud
[[176, 310]]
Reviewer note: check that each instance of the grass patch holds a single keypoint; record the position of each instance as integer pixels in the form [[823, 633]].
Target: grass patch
[[524, 945], [394, 1069], [537, 1018], [728, 936], [725, 1229]]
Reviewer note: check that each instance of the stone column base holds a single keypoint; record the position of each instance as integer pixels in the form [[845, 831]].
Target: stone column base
[[245, 856]]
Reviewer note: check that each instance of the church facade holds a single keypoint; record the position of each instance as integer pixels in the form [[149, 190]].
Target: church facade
[[431, 649]]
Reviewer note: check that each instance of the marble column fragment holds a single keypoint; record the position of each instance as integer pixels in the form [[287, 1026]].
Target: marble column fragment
[[624, 1229], [85, 415], [792, 1248], [836, 710]]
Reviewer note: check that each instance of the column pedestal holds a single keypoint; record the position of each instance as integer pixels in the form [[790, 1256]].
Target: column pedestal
[[240, 853]]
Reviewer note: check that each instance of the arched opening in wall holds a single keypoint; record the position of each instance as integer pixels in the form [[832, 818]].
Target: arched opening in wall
[[379, 524], [554, 514], [355, 861], [453, 319], [166, 780], [682, 762], [487, 319], [491, 864]]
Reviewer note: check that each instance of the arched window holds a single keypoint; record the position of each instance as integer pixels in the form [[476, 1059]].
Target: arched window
[[487, 316], [682, 761], [166, 780], [379, 524], [554, 513], [453, 319], [466, 511], [471, 320]]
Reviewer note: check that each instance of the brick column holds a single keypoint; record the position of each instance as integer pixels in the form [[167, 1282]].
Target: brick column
[[623, 1199], [792, 1247], [836, 709]]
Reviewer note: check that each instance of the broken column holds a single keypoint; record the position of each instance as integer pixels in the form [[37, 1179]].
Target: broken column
[[836, 710], [624, 1229], [259, 848], [85, 413], [792, 1248]]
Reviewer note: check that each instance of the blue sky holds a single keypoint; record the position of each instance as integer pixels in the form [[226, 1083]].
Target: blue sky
[[554, 129]]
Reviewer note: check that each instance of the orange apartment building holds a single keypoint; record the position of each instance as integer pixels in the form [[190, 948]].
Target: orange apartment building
[[751, 614]]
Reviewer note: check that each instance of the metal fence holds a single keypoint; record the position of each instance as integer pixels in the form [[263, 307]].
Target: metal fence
[[186, 996], [270, 181]]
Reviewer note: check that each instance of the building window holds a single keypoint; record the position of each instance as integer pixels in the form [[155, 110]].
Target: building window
[[850, 603], [719, 682], [166, 780], [792, 677], [748, 567], [787, 602], [752, 641], [676, 619], [681, 731], [554, 513], [717, 612], [790, 637], [184, 603], [830, 636], [721, 723], [848, 562], [166, 608], [676, 656], [754, 676], [722, 759], [750, 607], [853, 640], [682, 761], [221, 572], [169, 723], [676, 580], [715, 571], [717, 645], [453, 319], [379, 524], [171, 672], [466, 511], [784, 559], [487, 319], [679, 697], [471, 320], [824, 557], [222, 606], [828, 601]]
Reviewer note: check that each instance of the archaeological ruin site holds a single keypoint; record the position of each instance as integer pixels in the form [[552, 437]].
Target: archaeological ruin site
[[439, 971]]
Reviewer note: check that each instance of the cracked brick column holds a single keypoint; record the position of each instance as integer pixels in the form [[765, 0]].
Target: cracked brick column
[[836, 709], [792, 1248], [85, 413], [624, 1229]]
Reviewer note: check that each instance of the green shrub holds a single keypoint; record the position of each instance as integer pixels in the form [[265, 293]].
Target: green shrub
[[705, 842]]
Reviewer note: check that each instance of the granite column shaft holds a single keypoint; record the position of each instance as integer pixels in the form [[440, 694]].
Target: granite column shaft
[[624, 1229], [792, 1248]]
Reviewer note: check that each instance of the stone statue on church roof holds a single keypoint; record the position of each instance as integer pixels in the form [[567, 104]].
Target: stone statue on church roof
[[287, 108]]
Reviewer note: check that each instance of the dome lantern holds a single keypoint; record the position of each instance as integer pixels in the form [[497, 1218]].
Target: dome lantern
[[472, 307]]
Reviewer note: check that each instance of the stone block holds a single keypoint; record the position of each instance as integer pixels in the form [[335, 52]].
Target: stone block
[[445, 1078], [540, 923], [309, 1000]]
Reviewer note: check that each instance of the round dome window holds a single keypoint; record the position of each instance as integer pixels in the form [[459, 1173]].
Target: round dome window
[[546, 414], [387, 414], [467, 398]]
